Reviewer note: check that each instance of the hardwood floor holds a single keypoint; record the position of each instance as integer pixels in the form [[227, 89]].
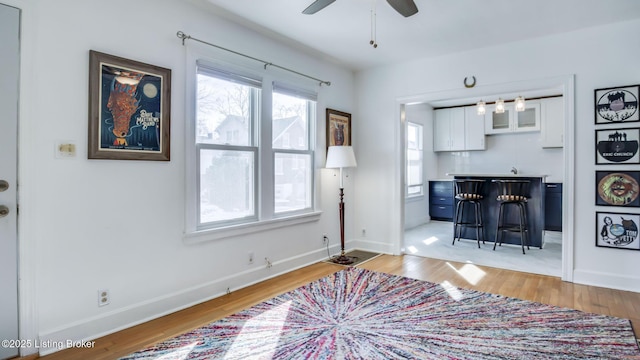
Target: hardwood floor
[[540, 288]]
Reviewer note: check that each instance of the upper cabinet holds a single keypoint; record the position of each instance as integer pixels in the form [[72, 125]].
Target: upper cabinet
[[511, 120], [552, 133], [473, 129], [458, 129], [448, 129]]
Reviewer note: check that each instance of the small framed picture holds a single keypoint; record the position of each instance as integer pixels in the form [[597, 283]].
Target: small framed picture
[[617, 146], [618, 188], [617, 230], [338, 128], [617, 105], [129, 109]]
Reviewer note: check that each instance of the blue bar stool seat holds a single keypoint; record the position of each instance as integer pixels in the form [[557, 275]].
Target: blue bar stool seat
[[468, 191]]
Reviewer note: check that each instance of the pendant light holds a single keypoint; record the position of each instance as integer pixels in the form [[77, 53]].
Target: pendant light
[[519, 103], [499, 106], [481, 107]]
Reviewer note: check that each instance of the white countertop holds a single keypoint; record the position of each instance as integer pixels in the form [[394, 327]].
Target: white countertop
[[503, 175]]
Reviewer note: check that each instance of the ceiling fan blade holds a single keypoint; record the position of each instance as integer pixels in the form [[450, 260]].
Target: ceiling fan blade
[[406, 8], [317, 6]]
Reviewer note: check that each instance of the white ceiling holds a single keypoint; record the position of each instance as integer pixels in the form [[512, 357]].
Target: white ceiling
[[342, 30]]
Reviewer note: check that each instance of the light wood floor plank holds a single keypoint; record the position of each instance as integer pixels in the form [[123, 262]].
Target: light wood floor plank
[[540, 288]]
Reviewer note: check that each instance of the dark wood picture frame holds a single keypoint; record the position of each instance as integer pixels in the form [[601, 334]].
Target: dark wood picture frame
[[618, 188], [617, 230], [338, 128], [616, 105], [129, 109], [617, 146]]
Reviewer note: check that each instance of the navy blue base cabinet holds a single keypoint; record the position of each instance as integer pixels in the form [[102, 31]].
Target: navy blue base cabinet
[[441, 203], [553, 206]]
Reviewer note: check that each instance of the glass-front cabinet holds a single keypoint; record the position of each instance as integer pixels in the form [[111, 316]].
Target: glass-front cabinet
[[511, 120]]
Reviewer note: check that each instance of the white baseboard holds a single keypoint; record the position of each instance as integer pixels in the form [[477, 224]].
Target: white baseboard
[[607, 280], [370, 245], [92, 328]]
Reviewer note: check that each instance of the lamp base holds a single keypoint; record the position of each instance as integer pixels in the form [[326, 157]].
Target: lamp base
[[344, 260]]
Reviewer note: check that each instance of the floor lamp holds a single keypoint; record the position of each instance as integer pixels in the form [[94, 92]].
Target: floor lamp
[[341, 157]]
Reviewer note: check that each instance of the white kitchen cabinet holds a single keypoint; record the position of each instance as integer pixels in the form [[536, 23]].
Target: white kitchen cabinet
[[552, 128], [448, 129], [473, 129], [511, 120]]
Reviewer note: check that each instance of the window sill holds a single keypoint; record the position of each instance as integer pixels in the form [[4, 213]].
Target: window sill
[[201, 236]]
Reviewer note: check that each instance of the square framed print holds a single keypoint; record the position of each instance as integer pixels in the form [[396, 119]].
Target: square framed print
[[617, 146], [129, 109], [338, 128], [618, 188], [617, 105], [617, 230]]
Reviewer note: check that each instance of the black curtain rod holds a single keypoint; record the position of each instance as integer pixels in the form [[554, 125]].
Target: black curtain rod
[[184, 37]]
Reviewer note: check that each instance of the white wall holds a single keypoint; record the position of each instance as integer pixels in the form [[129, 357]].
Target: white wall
[[381, 89], [416, 210], [92, 224]]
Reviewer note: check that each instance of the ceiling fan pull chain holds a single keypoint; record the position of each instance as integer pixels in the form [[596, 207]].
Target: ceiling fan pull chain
[[374, 30]]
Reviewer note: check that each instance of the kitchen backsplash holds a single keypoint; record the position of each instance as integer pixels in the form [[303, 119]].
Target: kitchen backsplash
[[522, 151]]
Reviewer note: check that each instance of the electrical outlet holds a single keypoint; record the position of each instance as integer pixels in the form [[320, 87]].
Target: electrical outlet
[[251, 257], [104, 297], [325, 238]]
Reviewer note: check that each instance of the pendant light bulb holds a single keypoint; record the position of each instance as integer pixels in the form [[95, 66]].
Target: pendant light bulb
[[519, 103], [499, 106], [481, 107]]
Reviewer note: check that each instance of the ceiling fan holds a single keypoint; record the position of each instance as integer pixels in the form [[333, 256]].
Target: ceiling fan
[[406, 8]]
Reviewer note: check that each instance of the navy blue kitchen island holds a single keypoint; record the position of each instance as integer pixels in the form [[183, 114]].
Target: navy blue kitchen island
[[490, 208]]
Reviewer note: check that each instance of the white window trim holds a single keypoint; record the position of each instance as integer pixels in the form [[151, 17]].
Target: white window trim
[[192, 234], [422, 192]]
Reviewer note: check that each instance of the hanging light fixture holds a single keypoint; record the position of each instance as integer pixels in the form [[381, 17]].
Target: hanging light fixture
[[481, 107], [499, 106], [519, 103]]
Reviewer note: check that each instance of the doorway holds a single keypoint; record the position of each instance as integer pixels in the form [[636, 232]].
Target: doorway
[[9, 78], [563, 85]]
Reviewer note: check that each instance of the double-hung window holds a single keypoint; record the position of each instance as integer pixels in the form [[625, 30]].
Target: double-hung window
[[293, 115], [254, 149], [227, 118], [414, 160]]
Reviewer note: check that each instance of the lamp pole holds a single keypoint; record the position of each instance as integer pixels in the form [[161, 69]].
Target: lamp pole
[[341, 157]]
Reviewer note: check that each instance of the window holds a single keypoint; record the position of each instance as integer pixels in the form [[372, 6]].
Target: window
[[414, 160], [293, 115], [241, 177], [228, 108]]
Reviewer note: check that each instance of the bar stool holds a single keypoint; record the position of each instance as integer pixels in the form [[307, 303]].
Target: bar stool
[[468, 191], [512, 193]]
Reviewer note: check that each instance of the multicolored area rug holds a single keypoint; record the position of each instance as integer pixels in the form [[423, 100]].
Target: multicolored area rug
[[362, 314]]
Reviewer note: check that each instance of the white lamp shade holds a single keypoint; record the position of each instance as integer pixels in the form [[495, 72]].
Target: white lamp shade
[[340, 157]]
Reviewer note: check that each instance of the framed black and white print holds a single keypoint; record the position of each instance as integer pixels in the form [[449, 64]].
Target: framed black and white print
[[617, 146], [617, 230], [618, 188], [617, 105]]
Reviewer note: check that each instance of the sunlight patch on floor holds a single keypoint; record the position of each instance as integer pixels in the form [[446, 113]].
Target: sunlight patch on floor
[[260, 332], [453, 291], [430, 240], [471, 273], [412, 249]]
